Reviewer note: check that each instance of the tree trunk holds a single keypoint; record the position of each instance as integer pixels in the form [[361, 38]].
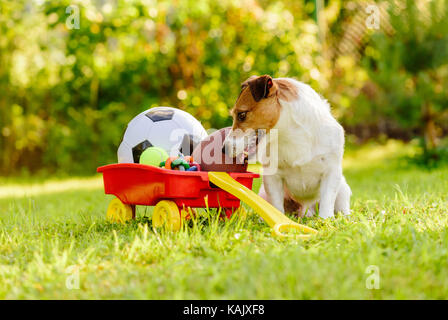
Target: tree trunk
[[430, 129]]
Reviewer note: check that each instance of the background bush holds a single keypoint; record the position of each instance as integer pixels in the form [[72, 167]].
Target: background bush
[[67, 94]]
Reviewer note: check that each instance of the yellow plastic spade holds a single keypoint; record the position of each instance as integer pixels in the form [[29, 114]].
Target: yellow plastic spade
[[274, 218]]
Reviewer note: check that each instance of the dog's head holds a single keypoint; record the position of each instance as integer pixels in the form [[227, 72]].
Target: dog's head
[[257, 109]]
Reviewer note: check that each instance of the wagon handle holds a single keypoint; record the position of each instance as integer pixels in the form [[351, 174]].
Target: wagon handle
[[274, 218]]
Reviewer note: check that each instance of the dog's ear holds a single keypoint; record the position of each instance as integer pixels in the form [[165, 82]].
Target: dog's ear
[[259, 87]]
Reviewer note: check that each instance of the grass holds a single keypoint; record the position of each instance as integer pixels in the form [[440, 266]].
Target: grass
[[52, 230]]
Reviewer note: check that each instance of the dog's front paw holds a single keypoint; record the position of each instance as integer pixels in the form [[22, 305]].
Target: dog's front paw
[[326, 215], [310, 213]]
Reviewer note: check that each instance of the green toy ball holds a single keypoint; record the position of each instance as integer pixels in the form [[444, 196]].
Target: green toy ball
[[153, 156]]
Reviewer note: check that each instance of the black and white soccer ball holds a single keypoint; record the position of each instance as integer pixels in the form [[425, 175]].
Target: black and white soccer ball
[[172, 129]]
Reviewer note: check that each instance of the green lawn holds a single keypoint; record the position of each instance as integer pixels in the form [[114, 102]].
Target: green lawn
[[399, 224]]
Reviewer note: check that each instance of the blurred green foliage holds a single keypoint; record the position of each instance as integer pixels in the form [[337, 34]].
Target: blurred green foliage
[[66, 94], [408, 75]]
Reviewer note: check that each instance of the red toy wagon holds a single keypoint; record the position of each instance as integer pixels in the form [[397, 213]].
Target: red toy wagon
[[170, 191]]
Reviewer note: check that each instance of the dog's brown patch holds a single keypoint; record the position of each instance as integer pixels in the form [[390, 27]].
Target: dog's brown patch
[[292, 206], [262, 106], [263, 114]]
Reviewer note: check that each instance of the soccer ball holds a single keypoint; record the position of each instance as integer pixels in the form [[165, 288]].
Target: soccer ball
[[172, 129]]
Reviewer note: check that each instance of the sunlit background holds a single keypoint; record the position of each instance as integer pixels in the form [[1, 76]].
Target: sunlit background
[[73, 73]]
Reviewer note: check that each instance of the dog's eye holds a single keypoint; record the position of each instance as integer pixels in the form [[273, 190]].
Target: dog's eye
[[241, 116]]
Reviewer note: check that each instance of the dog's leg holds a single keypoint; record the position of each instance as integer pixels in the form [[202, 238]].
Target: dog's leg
[[273, 185], [262, 192], [343, 198], [328, 191], [310, 210]]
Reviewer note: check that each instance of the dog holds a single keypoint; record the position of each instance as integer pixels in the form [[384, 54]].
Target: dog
[[310, 144]]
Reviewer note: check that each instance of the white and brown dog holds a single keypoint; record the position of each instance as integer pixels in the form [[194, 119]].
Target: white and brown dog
[[310, 144]]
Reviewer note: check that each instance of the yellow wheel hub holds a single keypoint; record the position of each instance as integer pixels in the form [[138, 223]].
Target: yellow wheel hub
[[119, 212], [166, 214]]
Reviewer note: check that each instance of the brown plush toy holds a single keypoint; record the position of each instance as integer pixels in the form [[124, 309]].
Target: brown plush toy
[[209, 154]]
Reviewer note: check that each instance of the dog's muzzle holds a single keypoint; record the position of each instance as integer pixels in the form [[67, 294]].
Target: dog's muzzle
[[244, 144]]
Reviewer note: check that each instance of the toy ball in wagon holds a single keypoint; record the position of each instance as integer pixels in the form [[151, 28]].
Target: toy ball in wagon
[[171, 129]]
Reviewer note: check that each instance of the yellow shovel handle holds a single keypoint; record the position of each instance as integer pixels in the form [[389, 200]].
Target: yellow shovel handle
[[280, 230], [264, 209]]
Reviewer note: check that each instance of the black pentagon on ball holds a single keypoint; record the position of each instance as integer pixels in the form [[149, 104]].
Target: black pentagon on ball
[[160, 115], [138, 150], [189, 142]]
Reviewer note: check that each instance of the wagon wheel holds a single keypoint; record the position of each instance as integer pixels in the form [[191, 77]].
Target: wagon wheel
[[166, 214], [120, 212]]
